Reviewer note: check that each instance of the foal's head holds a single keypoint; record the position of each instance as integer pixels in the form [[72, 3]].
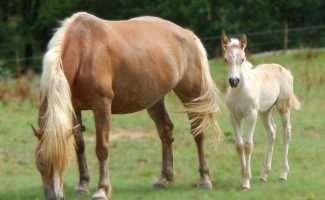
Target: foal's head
[[234, 57]]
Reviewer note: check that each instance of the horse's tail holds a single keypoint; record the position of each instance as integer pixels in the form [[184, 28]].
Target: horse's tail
[[56, 142], [296, 103], [207, 104]]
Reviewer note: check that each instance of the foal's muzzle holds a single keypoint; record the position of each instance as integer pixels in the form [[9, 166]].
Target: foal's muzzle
[[233, 82]]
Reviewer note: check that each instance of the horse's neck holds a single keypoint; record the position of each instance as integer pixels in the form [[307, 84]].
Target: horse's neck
[[246, 76]]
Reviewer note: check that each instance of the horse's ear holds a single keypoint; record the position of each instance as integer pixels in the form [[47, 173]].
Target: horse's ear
[[37, 132], [224, 41], [243, 41]]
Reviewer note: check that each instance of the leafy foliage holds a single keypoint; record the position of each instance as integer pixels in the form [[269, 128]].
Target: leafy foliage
[[27, 25]]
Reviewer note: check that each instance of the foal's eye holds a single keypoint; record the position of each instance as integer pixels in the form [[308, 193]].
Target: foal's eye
[[225, 59], [242, 60]]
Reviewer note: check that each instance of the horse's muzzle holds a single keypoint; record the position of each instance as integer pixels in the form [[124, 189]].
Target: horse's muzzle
[[233, 82], [50, 195]]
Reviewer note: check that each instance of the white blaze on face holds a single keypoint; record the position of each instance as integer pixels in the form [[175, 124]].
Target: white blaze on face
[[233, 73], [57, 184]]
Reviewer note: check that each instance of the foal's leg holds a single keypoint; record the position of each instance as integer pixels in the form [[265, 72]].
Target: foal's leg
[[270, 130], [248, 147], [82, 188], [236, 124], [102, 114], [165, 129], [285, 117]]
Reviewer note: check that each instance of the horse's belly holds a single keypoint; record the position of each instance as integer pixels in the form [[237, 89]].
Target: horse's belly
[[132, 104], [138, 97], [134, 91], [268, 96]]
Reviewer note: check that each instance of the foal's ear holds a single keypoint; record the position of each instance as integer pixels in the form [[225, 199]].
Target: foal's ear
[[37, 132], [243, 41], [224, 41]]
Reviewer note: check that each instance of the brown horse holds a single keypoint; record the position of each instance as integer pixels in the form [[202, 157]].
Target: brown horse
[[119, 67]]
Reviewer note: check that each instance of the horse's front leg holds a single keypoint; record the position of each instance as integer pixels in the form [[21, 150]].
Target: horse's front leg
[[248, 147], [236, 124], [102, 114], [82, 188]]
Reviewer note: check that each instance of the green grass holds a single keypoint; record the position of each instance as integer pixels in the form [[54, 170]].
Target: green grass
[[134, 162]]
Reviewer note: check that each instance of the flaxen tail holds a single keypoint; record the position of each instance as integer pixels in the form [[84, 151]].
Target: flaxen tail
[[296, 103], [206, 106], [56, 143]]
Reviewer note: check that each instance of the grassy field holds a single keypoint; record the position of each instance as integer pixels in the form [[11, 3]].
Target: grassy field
[[135, 156]]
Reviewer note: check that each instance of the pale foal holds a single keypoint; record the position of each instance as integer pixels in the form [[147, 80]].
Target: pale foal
[[252, 92]]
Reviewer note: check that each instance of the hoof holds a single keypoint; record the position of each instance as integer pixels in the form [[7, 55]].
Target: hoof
[[263, 178], [100, 195], [82, 190], [160, 184], [204, 184], [245, 186], [284, 176]]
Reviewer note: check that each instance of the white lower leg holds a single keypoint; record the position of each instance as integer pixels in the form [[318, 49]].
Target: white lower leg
[[248, 149], [286, 142], [268, 157], [285, 163]]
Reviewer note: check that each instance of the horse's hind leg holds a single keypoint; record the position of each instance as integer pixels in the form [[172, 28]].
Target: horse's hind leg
[[204, 181], [82, 188], [285, 117], [186, 93], [270, 130], [102, 114], [165, 129]]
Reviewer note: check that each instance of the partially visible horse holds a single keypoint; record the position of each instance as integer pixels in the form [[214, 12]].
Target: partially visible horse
[[257, 91], [119, 67]]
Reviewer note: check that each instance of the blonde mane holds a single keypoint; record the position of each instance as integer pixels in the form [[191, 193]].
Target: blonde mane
[[56, 144]]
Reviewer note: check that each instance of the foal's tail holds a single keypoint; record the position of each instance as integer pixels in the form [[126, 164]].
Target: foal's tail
[[207, 104], [296, 103], [56, 142]]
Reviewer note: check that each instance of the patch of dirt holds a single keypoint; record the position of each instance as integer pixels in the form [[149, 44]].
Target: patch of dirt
[[120, 133]]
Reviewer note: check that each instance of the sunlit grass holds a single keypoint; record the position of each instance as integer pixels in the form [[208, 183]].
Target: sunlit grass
[[135, 162]]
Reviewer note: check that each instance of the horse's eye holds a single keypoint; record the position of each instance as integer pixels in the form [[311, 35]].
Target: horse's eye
[[225, 59], [242, 60]]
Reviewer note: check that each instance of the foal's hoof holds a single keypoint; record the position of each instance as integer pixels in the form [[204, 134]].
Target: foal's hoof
[[245, 186], [204, 184], [82, 190], [160, 184], [100, 195], [263, 178], [284, 177]]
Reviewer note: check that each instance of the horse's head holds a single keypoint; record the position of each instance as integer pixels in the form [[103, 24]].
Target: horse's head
[[234, 55], [52, 181]]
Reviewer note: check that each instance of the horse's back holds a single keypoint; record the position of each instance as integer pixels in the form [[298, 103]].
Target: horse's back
[[136, 61], [276, 83], [273, 71]]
